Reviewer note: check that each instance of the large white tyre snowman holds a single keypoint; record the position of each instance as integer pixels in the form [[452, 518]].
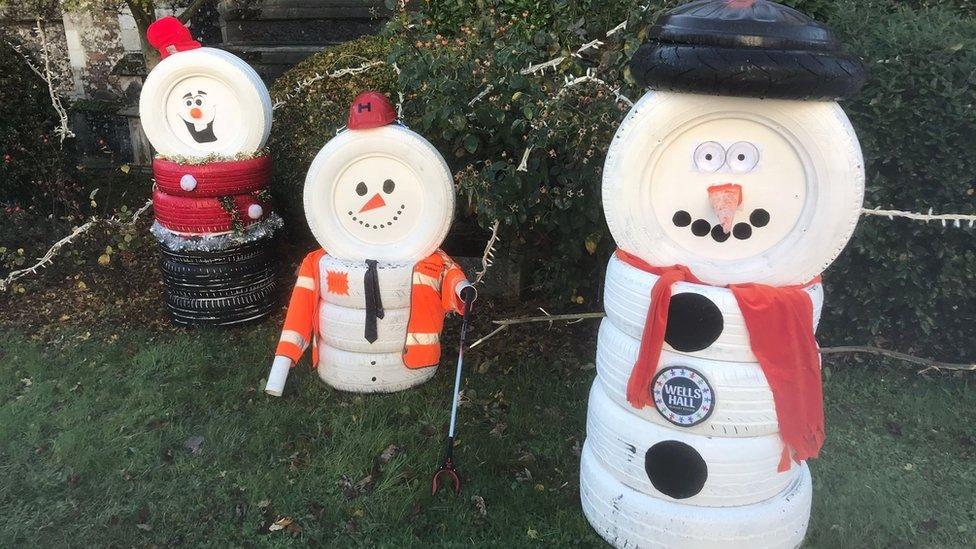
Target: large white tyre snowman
[[201, 101], [798, 192], [383, 193]]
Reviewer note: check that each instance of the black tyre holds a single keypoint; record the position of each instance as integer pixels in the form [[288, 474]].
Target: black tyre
[[789, 74], [244, 252], [191, 271]]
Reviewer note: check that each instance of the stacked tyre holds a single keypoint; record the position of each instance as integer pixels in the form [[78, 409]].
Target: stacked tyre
[[700, 467], [208, 116], [216, 240]]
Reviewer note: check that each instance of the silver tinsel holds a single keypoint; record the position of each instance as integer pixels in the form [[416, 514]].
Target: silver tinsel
[[216, 242]]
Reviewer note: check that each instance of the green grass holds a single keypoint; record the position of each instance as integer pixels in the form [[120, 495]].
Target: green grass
[[93, 433]]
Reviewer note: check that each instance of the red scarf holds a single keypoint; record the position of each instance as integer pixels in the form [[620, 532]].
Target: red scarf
[[781, 334]]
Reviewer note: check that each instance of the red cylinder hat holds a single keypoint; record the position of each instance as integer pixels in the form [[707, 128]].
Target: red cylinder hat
[[169, 35], [370, 110]]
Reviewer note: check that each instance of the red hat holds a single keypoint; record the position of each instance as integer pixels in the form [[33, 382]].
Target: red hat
[[169, 35], [370, 110]]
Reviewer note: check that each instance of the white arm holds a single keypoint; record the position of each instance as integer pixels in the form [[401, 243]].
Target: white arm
[[279, 373]]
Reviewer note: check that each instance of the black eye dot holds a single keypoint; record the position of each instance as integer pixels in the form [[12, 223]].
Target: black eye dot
[[188, 103], [701, 227], [759, 218], [741, 157], [361, 189], [708, 157], [681, 219], [742, 231], [388, 186], [719, 234], [199, 102]]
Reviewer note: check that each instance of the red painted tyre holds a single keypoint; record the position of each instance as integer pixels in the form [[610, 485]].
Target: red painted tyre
[[214, 178], [182, 214]]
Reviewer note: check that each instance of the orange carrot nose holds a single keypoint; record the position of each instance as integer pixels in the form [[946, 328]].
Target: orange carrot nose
[[196, 113], [375, 202], [725, 200]]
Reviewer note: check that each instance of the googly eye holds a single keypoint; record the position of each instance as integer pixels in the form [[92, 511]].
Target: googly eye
[[199, 102], [361, 189], [189, 102], [709, 156], [743, 157]]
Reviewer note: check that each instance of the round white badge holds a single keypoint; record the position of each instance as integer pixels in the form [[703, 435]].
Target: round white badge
[[737, 189], [383, 194], [205, 101], [683, 396]]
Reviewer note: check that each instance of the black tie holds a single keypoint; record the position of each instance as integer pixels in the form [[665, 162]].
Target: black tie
[[374, 304]]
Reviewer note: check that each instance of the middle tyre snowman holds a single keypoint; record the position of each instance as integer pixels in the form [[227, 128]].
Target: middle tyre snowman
[[728, 190], [379, 198]]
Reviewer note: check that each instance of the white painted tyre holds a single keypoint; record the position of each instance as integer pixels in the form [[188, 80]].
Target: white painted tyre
[[797, 162], [706, 325], [342, 283], [368, 372], [649, 458], [743, 403], [383, 194], [205, 101], [344, 328], [628, 519]]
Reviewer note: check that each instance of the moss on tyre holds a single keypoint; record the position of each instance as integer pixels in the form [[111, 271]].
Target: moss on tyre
[[311, 106]]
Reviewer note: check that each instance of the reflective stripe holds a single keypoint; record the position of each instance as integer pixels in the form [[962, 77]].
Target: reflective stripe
[[293, 337], [425, 280], [423, 339], [305, 282]]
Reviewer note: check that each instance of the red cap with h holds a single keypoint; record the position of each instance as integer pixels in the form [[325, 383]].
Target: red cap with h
[[370, 110]]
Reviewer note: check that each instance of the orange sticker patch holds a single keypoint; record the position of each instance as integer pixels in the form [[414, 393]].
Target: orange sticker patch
[[337, 282]]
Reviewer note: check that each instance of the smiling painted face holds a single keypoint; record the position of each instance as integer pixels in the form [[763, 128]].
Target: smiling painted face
[[383, 193], [378, 199], [200, 113], [737, 189], [199, 116]]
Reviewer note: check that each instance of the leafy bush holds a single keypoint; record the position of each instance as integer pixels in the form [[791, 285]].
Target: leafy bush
[[311, 107], [32, 162], [461, 70]]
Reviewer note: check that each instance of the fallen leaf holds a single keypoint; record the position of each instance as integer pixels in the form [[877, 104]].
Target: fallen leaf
[[478, 503], [193, 444], [280, 524], [144, 527], [532, 534]]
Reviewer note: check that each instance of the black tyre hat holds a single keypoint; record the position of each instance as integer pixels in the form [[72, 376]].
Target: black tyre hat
[[752, 48]]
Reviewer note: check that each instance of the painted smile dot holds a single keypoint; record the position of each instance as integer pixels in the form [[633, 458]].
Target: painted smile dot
[[719, 234], [701, 227], [742, 231], [759, 218], [681, 219]]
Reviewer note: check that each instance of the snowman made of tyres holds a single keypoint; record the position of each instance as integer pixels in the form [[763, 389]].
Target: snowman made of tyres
[[371, 302], [729, 188]]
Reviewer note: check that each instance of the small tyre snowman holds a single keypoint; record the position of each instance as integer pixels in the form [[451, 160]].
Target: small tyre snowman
[[371, 302], [729, 188]]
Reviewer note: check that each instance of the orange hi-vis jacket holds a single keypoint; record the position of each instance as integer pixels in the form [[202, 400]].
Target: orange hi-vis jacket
[[432, 296]]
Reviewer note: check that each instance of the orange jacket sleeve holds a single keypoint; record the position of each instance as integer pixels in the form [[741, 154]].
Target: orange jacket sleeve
[[299, 326], [452, 276]]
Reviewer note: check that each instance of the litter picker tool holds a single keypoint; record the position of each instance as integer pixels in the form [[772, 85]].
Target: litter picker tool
[[447, 468]]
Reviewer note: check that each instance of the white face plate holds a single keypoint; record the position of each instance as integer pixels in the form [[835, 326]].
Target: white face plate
[[774, 189], [797, 164], [383, 194], [378, 199], [203, 113]]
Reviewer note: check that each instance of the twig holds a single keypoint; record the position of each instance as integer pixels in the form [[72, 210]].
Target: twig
[[956, 219], [487, 337], [928, 363], [488, 258], [56, 247]]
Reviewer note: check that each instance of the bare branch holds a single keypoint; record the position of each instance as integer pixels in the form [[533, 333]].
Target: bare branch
[[190, 10]]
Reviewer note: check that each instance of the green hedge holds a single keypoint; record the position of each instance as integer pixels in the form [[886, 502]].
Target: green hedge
[[902, 284]]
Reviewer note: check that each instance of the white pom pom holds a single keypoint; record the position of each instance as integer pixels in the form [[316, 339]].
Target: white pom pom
[[255, 211], [188, 182]]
